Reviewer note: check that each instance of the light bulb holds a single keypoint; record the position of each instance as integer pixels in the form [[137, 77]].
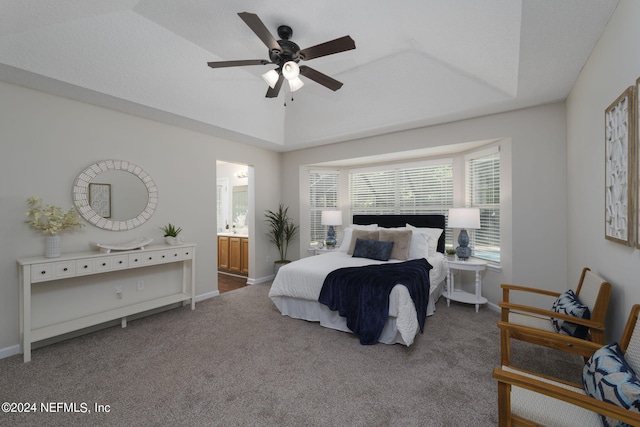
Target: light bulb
[[290, 70]]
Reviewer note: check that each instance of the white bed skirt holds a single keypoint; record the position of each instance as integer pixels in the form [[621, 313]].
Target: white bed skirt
[[313, 311]]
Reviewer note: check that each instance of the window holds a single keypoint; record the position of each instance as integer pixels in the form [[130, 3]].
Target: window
[[323, 195], [425, 188], [482, 176]]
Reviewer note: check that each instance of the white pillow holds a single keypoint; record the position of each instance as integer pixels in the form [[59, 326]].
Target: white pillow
[[346, 239], [419, 246], [432, 233]]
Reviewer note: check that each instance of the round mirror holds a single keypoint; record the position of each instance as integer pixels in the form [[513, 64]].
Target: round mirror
[[115, 195]]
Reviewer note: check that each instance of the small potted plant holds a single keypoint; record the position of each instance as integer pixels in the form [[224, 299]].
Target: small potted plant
[[51, 220], [171, 234], [451, 253]]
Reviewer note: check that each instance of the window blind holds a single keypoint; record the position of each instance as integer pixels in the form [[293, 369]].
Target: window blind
[[323, 195], [483, 192], [424, 188]]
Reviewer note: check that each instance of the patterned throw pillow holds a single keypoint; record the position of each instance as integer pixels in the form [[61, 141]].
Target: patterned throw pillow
[[568, 303], [372, 249], [608, 377]]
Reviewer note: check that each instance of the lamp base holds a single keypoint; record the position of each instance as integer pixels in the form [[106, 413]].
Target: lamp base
[[330, 241], [463, 251]]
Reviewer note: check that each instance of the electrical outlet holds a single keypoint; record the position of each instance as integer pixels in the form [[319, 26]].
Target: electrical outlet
[[268, 259], [119, 291], [140, 285]]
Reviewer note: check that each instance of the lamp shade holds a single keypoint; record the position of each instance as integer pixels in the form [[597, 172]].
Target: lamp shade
[[271, 77], [331, 218], [295, 84], [464, 218], [290, 70]]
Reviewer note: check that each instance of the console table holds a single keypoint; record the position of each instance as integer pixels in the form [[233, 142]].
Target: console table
[[453, 294], [37, 271]]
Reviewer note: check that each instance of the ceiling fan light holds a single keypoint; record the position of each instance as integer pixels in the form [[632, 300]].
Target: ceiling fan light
[[271, 77], [290, 70], [295, 84]]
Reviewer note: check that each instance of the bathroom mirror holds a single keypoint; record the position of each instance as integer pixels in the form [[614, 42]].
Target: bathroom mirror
[[115, 195]]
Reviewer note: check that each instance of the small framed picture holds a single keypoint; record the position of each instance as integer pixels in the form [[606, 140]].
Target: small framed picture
[[100, 199]]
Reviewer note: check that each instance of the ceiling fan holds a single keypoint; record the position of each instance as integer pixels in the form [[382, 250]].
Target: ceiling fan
[[286, 55]]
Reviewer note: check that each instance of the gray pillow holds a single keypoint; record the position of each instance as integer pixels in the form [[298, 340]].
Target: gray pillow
[[361, 234], [401, 242], [372, 249]]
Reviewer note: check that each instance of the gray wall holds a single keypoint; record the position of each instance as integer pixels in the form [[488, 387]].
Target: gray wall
[[533, 195], [613, 66], [47, 140]]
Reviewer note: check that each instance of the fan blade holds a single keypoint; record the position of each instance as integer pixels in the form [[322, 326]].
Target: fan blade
[[328, 48], [318, 77], [273, 93], [258, 27], [240, 63]]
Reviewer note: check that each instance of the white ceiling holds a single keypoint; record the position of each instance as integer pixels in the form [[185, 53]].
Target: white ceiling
[[416, 62]]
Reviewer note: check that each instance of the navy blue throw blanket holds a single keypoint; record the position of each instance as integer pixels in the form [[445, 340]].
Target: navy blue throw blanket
[[361, 294]]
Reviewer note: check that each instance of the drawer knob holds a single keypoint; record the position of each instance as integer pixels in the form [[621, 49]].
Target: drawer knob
[[43, 272], [65, 269], [104, 263], [86, 266], [120, 262]]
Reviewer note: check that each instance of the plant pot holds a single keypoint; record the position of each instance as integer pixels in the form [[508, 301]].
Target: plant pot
[[173, 240], [280, 264], [52, 246]]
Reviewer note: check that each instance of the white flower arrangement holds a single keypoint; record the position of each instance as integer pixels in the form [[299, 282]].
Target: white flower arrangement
[[51, 219]]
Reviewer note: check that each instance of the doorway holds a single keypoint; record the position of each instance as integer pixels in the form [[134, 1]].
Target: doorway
[[233, 224]]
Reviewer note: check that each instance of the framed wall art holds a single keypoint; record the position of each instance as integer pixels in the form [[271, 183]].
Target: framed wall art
[[620, 169], [100, 199]]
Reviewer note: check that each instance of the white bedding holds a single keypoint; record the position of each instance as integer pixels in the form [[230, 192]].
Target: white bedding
[[297, 286]]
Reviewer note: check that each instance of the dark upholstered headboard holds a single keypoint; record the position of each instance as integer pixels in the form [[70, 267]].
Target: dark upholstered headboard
[[429, 221]]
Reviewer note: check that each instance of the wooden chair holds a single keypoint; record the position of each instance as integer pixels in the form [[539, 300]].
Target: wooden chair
[[534, 325], [529, 399]]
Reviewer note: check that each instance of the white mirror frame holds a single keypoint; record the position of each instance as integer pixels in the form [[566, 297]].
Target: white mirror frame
[[80, 195]]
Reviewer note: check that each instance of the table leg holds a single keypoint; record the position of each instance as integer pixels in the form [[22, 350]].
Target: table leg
[[478, 289]]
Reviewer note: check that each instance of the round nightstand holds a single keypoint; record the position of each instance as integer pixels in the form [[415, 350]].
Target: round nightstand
[[453, 294]]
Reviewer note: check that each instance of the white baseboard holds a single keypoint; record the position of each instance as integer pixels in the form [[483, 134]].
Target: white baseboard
[[207, 295], [9, 351], [260, 280], [494, 307]]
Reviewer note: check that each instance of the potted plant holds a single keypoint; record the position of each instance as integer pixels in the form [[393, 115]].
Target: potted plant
[[451, 253], [171, 233], [282, 231], [51, 220]]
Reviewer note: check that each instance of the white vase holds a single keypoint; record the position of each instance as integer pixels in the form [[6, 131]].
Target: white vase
[[178, 240], [52, 246]]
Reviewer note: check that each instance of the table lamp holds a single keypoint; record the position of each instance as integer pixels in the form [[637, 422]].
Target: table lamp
[[331, 218], [464, 218]]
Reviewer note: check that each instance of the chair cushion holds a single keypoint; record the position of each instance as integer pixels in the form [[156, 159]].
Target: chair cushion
[[608, 377], [373, 249], [568, 303], [546, 410]]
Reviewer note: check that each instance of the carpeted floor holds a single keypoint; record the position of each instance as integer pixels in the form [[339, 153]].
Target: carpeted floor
[[235, 361]]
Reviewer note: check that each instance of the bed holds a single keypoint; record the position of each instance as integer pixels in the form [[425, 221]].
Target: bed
[[297, 286]]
